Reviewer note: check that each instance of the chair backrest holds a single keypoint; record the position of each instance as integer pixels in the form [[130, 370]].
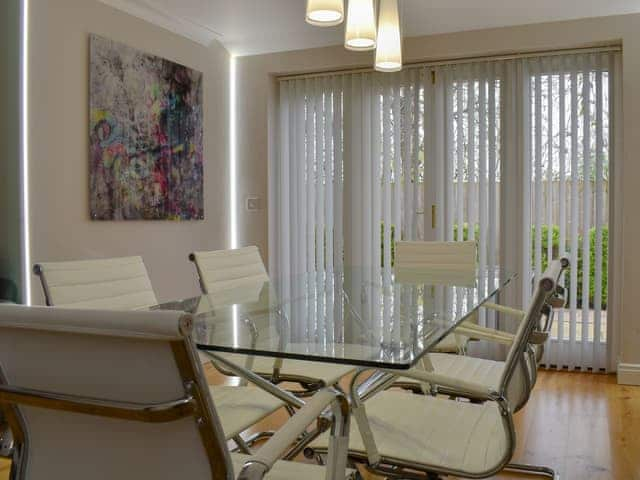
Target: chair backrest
[[229, 276], [516, 376], [107, 394], [110, 283], [436, 259]]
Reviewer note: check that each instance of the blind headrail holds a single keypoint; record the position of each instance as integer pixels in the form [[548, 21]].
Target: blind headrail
[[462, 60]]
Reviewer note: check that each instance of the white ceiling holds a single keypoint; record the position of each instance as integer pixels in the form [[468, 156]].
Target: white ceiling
[[248, 27]]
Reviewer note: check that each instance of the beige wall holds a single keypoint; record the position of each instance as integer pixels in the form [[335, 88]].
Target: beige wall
[[256, 87], [59, 64]]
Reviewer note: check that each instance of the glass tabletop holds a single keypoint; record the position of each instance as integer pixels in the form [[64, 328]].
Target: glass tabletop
[[359, 316]]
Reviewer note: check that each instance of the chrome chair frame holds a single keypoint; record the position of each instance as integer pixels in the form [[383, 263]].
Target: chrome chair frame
[[6, 438], [37, 270]]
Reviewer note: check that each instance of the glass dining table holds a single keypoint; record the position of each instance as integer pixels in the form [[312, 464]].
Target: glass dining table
[[380, 322], [364, 317]]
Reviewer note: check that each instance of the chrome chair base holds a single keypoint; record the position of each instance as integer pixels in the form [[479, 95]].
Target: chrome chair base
[[416, 472], [309, 386], [245, 445], [6, 441], [532, 470]]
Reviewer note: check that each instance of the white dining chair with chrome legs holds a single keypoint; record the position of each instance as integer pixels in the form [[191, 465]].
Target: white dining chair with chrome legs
[[228, 276], [450, 261], [123, 284], [488, 371], [455, 263], [123, 397], [421, 436]]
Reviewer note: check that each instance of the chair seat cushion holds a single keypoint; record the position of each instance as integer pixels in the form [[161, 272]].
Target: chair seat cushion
[[328, 373], [433, 431], [242, 407], [283, 470], [462, 367]]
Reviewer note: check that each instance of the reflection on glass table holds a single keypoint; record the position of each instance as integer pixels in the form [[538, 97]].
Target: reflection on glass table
[[362, 317]]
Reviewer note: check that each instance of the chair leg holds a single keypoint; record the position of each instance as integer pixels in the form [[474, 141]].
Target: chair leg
[[532, 470], [258, 437], [242, 445], [6, 440], [305, 439]]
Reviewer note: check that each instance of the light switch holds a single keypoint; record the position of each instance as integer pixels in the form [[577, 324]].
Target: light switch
[[253, 203]]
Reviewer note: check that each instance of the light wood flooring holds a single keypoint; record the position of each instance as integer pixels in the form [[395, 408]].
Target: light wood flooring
[[584, 425]]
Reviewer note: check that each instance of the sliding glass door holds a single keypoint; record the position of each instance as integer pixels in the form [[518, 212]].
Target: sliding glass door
[[562, 135], [512, 154], [569, 130]]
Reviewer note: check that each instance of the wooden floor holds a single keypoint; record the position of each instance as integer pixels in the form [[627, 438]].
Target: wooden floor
[[584, 425]]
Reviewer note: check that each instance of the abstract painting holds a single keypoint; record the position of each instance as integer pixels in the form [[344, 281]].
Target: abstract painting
[[145, 138]]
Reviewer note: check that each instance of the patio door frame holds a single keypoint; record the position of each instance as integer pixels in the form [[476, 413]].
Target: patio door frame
[[515, 186]]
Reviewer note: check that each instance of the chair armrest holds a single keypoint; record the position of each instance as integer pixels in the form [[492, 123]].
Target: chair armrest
[[514, 312], [472, 330], [483, 333], [466, 388], [257, 465]]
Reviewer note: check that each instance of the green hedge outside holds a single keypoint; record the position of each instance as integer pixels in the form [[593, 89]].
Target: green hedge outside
[[555, 248]]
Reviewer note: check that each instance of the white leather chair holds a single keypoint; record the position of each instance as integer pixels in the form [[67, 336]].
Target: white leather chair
[[123, 284], [483, 371], [109, 283], [103, 395], [417, 261], [238, 275], [490, 372], [432, 435]]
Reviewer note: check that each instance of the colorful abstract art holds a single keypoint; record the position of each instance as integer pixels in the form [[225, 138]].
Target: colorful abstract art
[[145, 138]]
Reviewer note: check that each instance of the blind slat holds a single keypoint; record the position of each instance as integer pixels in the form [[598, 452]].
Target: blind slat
[[586, 207], [573, 293], [471, 151], [538, 171], [460, 159], [599, 182], [562, 157]]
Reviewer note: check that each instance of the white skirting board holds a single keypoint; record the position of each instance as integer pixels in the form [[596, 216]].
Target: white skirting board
[[629, 374]]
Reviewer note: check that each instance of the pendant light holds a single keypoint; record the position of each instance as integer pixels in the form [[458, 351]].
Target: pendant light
[[325, 13], [360, 33], [389, 47]]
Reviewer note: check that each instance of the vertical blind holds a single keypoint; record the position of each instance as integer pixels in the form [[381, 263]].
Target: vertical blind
[[570, 112], [307, 191], [324, 206], [366, 159], [463, 160]]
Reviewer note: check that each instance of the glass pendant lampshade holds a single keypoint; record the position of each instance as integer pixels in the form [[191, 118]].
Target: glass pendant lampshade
[[325, 13], [389, 48], [360, 33]]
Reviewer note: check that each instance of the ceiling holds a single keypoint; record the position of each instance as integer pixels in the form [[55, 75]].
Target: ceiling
[[248, 27]]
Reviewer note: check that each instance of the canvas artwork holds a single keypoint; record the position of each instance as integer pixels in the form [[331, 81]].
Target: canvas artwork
[[146, 157]]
